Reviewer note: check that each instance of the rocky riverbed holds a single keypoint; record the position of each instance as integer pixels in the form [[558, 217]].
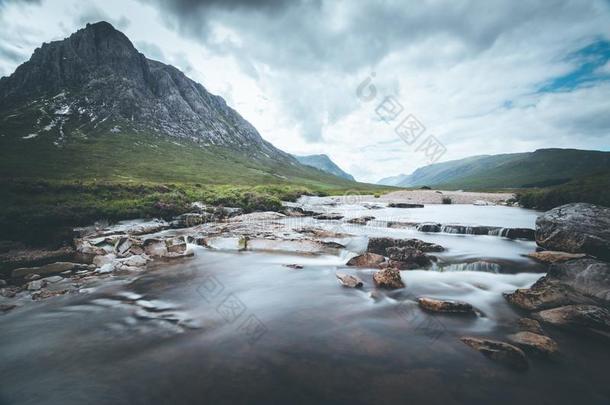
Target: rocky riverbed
[[325, 278]]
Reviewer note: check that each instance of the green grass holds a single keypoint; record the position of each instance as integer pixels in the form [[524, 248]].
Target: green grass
[[47, 190], [593, 189]]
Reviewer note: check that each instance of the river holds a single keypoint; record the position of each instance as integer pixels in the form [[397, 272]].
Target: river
[[241, 327]]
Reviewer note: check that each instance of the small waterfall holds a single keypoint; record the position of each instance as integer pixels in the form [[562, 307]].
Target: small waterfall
[[481, 265]]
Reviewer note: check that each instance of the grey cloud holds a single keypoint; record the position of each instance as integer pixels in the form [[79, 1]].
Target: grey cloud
[[150, 50]]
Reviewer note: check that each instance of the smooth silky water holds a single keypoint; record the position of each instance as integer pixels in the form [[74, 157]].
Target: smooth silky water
[[316, 342]]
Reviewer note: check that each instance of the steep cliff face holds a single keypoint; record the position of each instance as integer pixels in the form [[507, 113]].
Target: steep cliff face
[[96, 78]]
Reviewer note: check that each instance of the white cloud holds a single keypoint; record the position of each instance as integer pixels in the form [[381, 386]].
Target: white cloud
[[470, 72]]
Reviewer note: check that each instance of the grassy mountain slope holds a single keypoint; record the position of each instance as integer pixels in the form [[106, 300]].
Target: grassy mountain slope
[[543, 167], [324, 163]]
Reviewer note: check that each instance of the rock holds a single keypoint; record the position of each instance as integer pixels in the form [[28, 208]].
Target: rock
[[52, 279], [2, 283], [258, 216], [329, 217], [9, 292], [576, 228], [388, 278], [294, 266], [191, 219], [405, 205], [553, 256], [361, 220], [587, 276], [428, 227], [518, 233], [35, 285], [123, 246], [501, 352], [176, 245], [545, 293], [530, 325], [379, 245], [99, 261], [106, 268], [155, 247], [576, 317], [366, 260], [30, 277], [134, 261], [435, 305], [7, 307], [44, 294], [408, 258], [52, 268], [535, 343], [348, 280], [17, 255], [482, 202]]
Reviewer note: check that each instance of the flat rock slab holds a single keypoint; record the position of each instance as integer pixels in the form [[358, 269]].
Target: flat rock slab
[[507, 354], [404, 205], [530, 325], [535, 343], [554, 256]]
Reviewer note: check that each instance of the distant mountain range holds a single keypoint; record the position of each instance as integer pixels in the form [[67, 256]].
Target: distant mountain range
[[92, 107], [541, 168], [324, 163]]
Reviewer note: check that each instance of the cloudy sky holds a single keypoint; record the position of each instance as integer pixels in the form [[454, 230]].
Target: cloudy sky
[[338, 77]]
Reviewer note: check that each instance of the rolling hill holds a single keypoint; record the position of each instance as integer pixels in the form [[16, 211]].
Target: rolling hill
[[541, 168]]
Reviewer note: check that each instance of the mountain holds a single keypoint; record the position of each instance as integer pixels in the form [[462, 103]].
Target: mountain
[[92, 107], [393, 180], [324, 163], [541, 168]]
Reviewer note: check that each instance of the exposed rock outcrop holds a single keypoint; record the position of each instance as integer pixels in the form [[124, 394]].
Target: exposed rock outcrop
[[445, 306], [576, 228], [349, 280], [366, 260], [534, 343]]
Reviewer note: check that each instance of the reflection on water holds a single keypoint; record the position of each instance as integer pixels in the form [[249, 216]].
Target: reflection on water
[[241, 327]]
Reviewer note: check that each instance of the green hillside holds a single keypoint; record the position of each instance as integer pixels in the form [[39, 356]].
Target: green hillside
[[544, 167]]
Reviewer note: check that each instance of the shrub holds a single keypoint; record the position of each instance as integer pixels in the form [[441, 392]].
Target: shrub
[[447, 200]]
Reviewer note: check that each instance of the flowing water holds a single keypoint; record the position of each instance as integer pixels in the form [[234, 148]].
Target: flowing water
[[242, 327]]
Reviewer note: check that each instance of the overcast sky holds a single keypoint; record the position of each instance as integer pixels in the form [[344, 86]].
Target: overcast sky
[[482, 77]]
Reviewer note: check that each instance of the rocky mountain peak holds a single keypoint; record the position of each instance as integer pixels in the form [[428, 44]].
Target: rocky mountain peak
[[97, 80]]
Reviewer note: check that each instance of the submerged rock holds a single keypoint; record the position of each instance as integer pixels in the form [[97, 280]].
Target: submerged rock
[[575, 228], [447, 306], [361, 220], [429, 227], [366, 260], [577, 317], [501, 352], [535, 343], [405, 205], [348, 280], [7, 307], [52, 268], [388, 278], [329, 217]]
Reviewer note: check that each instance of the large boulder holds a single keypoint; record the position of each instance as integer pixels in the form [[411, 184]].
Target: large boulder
[[408, 258], [576, 228], [554, 256]]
